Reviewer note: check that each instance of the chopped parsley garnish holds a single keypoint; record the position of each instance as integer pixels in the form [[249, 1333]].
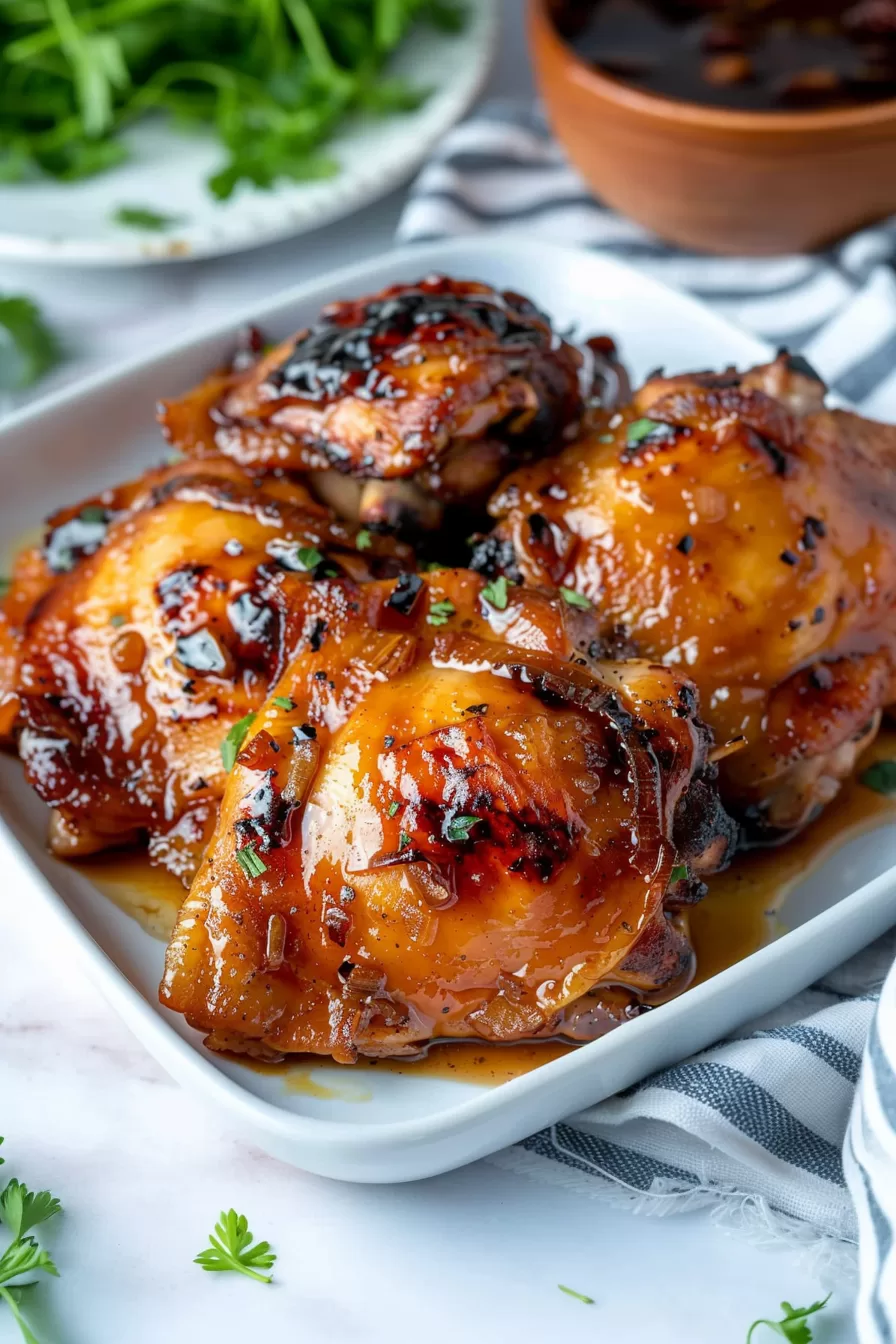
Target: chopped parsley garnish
[[363, 540], [140, 217], [308, 557], [116, 621], [458, 828], [441, 612], [575, 599], [639, 430], [495, 593], [284, 702], [881, 777], [230, 747], [393, 808], [92, 513], [249, 860], [794, 1326], [231, 1248], [580, 1297], [679, 872], [403, 840]]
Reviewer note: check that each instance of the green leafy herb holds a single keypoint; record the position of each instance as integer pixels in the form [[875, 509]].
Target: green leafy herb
[[250, 862], [363, 540], [881, 776], [580, 1297], [21, 1210], [403, 840], [284, 702], [230, 747], [28, 348], [308, 557], [116, 621], [393, 808], [273, 80], [230, 1249], [459, 828], [794, 1325], [92, 513], [149, 221], [440, 612], [575, 599], [639, 430], [606, 438], [496, 593], [679, 872]]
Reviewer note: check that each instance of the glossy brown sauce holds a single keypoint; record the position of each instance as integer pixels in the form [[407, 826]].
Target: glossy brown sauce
[[758, 55], [740, 915]]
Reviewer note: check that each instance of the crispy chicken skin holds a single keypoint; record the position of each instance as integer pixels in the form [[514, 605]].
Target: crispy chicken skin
[[401, 402], [731, 525], [449, 820], [167, 608]]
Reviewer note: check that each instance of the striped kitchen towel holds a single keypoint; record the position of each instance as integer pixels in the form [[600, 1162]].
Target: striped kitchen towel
[[754, 1127], [502, 170]]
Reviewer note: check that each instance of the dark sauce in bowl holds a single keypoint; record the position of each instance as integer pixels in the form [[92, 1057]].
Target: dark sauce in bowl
[[755, 55]]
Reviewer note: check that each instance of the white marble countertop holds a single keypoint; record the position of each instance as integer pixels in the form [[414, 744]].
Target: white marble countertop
[[143, 1168]]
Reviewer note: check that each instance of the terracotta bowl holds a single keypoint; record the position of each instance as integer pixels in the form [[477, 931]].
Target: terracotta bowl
[[712, 178]]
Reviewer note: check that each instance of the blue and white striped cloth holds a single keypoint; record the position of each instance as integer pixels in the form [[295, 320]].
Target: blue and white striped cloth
[[755, 1126]]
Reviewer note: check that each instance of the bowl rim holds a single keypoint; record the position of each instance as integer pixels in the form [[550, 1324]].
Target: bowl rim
[[868, 116]]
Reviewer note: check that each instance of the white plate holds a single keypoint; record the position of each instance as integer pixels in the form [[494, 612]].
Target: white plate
[[48, 221], [411, 1126]]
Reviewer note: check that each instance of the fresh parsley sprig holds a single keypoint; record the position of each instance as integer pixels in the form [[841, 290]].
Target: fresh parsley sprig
[[28, 348], [230, 1249], [21, 1210], [794, 1325]]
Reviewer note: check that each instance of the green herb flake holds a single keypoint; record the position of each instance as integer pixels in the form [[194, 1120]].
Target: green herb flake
[[144, 219], [458, 828], [575, 599], [92, 513], [495, 593], [606, 438], [441, 612], [250, 862], [679, 872], [639, 430], [284, 702], [793, 1326], [580, 1297], [880, 776], [308, 557], [230, 747], [403, 840], [230, 1249], [363, 540], [116, 621], [393, 808], [28, 348]]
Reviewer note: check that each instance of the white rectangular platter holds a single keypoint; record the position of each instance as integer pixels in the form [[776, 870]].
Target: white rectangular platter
[[406, 1126]]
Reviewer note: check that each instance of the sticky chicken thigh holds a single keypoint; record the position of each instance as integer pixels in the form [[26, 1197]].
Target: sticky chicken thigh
[[403, 402], [450, 819], [731, 525], [165, 610]]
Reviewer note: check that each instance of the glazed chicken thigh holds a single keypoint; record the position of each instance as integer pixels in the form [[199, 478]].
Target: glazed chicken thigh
[[451, 818], [732, 526], [165, 609], [400, 403]]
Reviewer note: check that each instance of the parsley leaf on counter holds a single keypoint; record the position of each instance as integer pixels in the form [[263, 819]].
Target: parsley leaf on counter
[[139, 217], [272, 79], [28, 348], [231, 1249], [793, 1326], [21, 1210]]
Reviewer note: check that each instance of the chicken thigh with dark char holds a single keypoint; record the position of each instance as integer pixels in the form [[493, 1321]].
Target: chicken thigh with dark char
[[152, 619], [452, 818], [402, 403]]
